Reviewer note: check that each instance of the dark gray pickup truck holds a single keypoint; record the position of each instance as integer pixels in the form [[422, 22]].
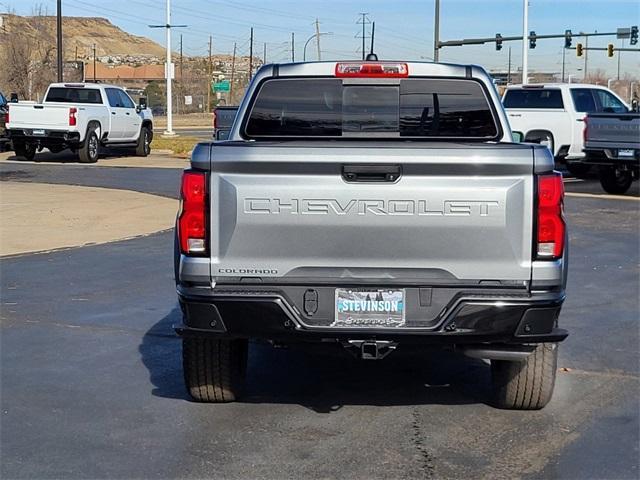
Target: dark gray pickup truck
[[372, 205], [612, 141]]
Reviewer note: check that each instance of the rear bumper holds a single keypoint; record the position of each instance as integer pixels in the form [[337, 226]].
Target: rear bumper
[[610, 156], [49, 137], [468, 318]]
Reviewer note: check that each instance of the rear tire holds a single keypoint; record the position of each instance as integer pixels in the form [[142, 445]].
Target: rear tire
[[143, 148], [89, 151], [615, 181], [214, 370], [25, 151], [526, 385]]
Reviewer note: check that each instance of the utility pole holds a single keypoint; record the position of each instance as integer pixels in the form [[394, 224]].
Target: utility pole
[[619, 55], [264, 54], [364, 22], [209, 79], [318, 38], [293, 47], [94, 63], [586, 55], [59, 38], [436, 33], [509, 68], [180, 57], [525, 43], [233, 71], [251, 55]]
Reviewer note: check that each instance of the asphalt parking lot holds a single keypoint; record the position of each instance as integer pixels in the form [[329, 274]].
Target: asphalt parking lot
[[92, 377]]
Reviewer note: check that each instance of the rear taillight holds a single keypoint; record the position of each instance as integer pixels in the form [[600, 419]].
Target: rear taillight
[[550, 221], [72, 116], [6, 115], [363, 69], [192, 222], [215, 119]]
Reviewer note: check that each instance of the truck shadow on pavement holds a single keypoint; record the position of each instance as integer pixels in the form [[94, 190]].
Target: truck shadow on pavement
[[324, 378], [67, 156]]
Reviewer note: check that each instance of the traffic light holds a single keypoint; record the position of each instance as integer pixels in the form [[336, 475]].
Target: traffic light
[[610, 50], [579, 49], [532, 39], [498, 41], [567, 39], [634, 35]]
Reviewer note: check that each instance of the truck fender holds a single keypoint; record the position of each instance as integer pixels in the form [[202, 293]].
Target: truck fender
[[96, 126], [146, 123], [541, 136]]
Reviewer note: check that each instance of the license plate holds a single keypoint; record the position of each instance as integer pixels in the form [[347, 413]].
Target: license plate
[[626, 153], [369, 308], [38, 132]]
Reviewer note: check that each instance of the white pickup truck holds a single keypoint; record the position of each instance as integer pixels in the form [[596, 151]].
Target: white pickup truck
[[553, 114], [82, 117]]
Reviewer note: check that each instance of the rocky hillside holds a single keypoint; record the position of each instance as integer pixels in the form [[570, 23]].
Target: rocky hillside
[[81, 32]]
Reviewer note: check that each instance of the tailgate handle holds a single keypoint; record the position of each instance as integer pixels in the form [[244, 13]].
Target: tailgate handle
[[371, 173]]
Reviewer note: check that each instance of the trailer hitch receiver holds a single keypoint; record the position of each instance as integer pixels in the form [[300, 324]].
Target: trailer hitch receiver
[[370, 349]]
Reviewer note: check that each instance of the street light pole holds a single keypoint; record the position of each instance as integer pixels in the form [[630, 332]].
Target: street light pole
[[525, 43], [304, 50], [59, 38], [168, 69], [436, 33], [169, 130]]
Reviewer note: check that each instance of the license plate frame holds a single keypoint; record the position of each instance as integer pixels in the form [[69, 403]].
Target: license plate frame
[[626, 153], [39, 132], [369, 308]]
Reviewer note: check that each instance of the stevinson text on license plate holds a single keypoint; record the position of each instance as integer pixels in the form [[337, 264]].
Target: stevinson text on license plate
[[626, 153], [369, 308]]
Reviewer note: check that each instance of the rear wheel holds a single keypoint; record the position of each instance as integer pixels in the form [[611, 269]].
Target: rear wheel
[[614, 180], [526, 385], [214, 370], [90, 149], [25, 151], [144, 142]]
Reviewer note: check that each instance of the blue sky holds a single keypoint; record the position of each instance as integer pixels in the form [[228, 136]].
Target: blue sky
[[404, 28]]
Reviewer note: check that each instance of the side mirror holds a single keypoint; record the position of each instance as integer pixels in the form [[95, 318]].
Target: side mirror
[[634, 105], [142, 103], [518, 137], [14, 98]]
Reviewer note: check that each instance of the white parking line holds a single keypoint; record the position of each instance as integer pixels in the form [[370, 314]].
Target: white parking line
[[605, 196]]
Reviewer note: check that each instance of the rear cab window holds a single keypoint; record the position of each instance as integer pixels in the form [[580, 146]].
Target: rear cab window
[[583, 100], [422, 108], [533, 98], [74, 95]]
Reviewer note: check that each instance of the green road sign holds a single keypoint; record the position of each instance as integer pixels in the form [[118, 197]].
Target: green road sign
[[222, 86]]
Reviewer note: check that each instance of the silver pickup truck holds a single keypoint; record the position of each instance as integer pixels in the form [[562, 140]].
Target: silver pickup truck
[[612, 141], [372, 205]]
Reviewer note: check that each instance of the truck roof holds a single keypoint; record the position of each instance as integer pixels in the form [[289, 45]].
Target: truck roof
[[83, 85], [328, 68], [554, 85]]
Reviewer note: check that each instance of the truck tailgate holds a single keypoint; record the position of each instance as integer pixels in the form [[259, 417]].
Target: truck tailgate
[[290, 213], [613, 129], [34, 115]]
